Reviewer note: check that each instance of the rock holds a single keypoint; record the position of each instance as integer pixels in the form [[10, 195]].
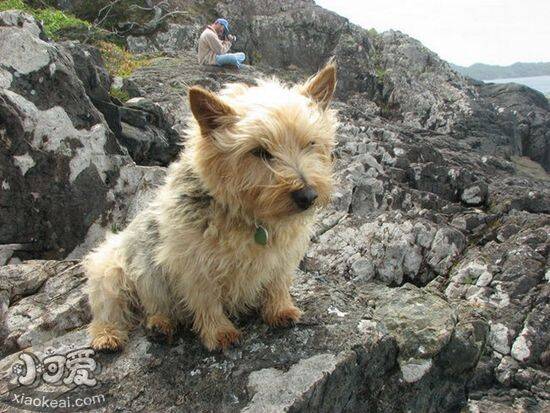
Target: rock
[[406, 307], [363, 270], [499, 338], [506, 370], [149, 138], [397, 249], [529, 111], [58, 149], [174, 39], [165, 82], [89, 67], [343, 363], [133, 191], [23, 21], [45, 301], [436, 186], [475, 194], [305, 385]]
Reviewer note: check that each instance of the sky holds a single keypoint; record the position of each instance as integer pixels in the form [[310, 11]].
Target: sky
[[498, 32]]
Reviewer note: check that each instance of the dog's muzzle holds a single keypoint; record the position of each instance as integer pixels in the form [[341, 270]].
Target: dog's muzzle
[[304, 198]]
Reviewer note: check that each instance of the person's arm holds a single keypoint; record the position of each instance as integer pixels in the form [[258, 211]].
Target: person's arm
[[226, 45], [218, 46]]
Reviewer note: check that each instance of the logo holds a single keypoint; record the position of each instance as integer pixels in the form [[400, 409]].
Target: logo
[[56, 382]]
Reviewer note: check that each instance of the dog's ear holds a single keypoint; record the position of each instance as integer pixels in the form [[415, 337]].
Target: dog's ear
[[209, 110], [320, 87]]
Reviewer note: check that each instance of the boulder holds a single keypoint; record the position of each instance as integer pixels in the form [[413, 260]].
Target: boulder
[[58, 149], [346, 355]]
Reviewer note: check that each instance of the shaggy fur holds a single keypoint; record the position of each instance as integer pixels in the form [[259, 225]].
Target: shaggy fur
[[191, 255]]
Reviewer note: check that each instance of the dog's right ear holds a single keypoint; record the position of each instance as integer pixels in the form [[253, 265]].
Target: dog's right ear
[[209, 110], [320, 87]]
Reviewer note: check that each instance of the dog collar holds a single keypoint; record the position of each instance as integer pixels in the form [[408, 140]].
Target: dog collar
[[261, 235]]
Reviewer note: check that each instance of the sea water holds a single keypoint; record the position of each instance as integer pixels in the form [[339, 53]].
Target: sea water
[[540, 83]]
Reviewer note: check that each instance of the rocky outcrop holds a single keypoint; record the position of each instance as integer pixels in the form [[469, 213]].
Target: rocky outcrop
[[526, 111], [57, 147], [376, 352], [425, 286], [409, 83]]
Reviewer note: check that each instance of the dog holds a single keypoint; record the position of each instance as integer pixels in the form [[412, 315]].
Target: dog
[[230, 224]]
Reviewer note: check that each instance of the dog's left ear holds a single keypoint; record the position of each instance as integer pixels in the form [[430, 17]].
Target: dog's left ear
[[320, 87], [209, 110]]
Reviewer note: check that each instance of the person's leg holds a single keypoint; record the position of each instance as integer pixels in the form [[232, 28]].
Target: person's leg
[[228, 59], [240, 57]]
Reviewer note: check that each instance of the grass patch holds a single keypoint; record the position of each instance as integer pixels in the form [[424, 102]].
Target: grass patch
[[120, 62], [114, 228], [54, 21], [380, 73], [119, 94], [372, 32], [13, 5]]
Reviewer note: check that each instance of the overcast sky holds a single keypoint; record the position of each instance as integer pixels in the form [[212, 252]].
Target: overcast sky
[[498, 32]]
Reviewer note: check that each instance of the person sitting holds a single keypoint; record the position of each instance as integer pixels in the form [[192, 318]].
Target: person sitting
[[214, 43]]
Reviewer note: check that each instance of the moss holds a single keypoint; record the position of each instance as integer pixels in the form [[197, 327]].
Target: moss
[[114, 228], [120, 62], [255, 57], [54, 21], [380, 73], [372, 32], [119, 94], [13, 5]]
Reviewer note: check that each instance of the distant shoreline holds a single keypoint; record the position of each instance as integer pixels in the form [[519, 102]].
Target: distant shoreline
[[540, 83], [485, 72]]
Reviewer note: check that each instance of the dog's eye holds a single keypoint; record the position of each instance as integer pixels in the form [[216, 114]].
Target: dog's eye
[[311, 145], [262, 153]]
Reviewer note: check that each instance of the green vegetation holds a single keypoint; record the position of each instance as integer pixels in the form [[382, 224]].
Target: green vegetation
[[114, 228], [372, 32], [110, 13], [54, 21], [120, 62], [119, 94], [380, 73], [255, 57]]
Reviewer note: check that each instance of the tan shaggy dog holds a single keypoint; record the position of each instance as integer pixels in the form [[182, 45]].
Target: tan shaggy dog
[[230, 225]]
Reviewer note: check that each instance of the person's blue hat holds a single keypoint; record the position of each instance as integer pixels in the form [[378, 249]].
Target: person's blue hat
[[225, 25]]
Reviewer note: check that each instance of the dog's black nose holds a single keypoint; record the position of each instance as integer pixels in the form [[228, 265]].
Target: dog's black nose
[[304, 197]]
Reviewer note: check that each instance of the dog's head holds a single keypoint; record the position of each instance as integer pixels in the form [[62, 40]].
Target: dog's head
[[267, 148]]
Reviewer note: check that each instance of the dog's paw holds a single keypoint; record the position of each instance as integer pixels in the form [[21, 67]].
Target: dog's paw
[[227, 338], [160, 329], [107, 343], [283, 317], [222, 338]]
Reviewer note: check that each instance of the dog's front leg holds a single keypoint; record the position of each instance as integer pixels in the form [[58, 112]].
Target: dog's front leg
[[209, 319], [278, 308]]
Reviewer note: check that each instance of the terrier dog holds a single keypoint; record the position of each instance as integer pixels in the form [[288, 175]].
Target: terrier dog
[[230, 224]]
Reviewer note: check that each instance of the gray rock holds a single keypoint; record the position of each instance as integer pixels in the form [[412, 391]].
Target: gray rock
[[45, 301], [58, 148], [344, 363], [133, 191], [433, 187]]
